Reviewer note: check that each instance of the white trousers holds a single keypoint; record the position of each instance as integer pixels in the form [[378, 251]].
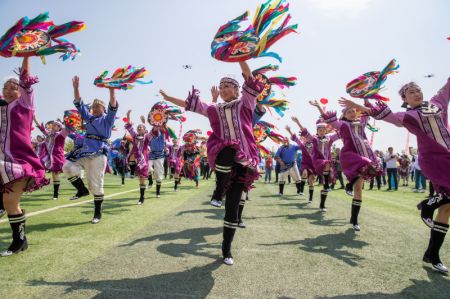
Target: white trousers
[[157, 167], [95, 171], [293, 172]]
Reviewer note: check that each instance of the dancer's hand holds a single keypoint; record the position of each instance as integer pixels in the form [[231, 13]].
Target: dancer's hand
[[315, 103], [164, 94], [76, 82], [214, 94], [346, 103]]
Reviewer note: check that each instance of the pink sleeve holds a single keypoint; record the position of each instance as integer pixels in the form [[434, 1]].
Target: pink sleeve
[[383, 112], [331, 119], [250, 91], [305, 133], [26, 99], [42, 128], [442, 97], [194, 104], [334, 137], [130, 130], [296, 140], [65, 132]]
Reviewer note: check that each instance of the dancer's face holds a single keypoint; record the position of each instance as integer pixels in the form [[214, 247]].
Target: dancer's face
[[321, 131], [350, 114], [11, 91], [97, 109], [141, 129], [413, 97], [55, 127], [228, 92]]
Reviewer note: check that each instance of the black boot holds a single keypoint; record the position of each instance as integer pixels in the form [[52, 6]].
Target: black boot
[[356, 206], [326, 180], [78, 183], [302, 186], [298, 185], [56, 189], [158, 190], [437, 237], [311, 193], [429, 205], [323, 198], [98, 200], [176, 185], [281, 188], [123, 179], [150, 180], [142, 189], [241, 224], [349, 186], [19, 243], [228, 235]]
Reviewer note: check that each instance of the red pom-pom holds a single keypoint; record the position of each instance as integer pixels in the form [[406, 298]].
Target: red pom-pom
[[323, 101], [125, 119], [209, 133], [448, 38], [32, 128], [183, 119]]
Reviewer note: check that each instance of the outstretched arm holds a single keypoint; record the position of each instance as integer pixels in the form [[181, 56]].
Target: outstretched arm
[[176, 101], [346, 103], [76, 90]]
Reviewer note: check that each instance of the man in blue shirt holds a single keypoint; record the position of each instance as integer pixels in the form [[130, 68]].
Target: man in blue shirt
[[286, 157], [156, 158], [93, 154]]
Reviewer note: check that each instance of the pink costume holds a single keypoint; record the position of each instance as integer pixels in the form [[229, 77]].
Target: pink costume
[[140, 150], [232, 126], [321, 149], [17, 158], [430, 125], [54, 145], [307, 154], [175, 158], [357, 157]]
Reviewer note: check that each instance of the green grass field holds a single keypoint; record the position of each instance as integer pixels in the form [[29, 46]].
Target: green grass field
[[170, 247]]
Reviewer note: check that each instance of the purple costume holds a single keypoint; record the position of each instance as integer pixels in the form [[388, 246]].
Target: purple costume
[[357, 157], [321, 149], [175, 158], [54, 145], [307, 154], [140, 150], [232, 126], [17, 158], [430, 125]]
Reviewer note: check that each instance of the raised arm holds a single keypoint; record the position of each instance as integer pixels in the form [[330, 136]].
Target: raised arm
[[25, 69], [76, 89], [40, 126], [318, 106], [112, 98], [246, 71], [442, 98], [129, 125], [295, 119]]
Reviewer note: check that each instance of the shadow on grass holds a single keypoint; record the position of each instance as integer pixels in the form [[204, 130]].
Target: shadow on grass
[[197, 243], [438, 286], [316, 218], [333, 245], [30, 228], [193, 283], [214, 213]]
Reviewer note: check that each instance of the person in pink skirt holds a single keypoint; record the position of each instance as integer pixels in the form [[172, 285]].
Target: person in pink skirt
[[175, 162], [321, 159], [20, 168], [140, 151], [54, 144], [231, 147], [428, 121], [358, 160]]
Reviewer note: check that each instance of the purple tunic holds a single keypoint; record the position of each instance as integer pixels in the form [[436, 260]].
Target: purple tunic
[[232, 125], [307, 153], [140, 150], [321, 149], [17, 158], [54, 145], [430, 125], [357, 157]]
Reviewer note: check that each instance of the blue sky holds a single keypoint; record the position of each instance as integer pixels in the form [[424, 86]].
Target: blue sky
[[338, 41]]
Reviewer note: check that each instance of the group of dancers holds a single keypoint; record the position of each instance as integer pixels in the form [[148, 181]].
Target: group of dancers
[[231, 151]]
